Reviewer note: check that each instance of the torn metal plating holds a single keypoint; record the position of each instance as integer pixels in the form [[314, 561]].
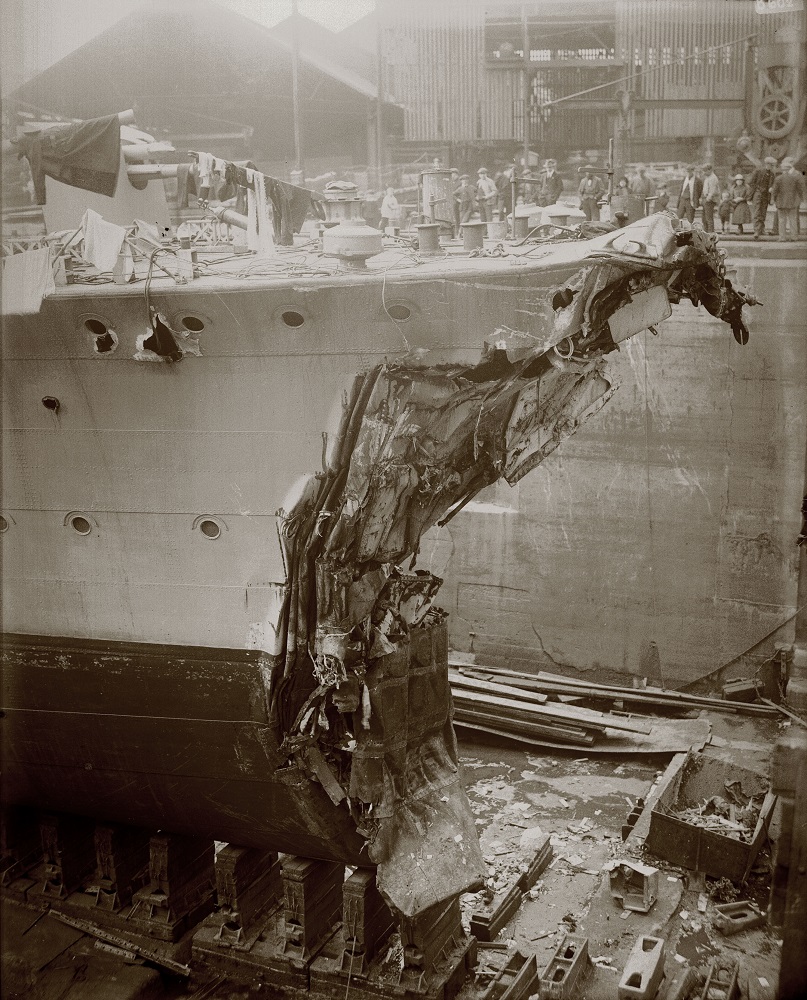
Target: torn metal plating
[[354, 696]]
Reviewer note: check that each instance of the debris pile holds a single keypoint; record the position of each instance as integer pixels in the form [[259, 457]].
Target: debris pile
[[716, 813]]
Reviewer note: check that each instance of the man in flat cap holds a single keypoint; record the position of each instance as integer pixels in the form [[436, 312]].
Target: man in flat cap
[[710, 197], [486, 195], [590, 190], [760, 186]]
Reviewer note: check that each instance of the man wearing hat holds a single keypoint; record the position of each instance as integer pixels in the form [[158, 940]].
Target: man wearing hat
[[689, 195], [551, 185], [760, 187], [486, 195], [788, 193], [590, 190], [464, 199], [710, 197]]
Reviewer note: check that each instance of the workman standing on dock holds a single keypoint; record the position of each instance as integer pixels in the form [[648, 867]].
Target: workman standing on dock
[[551, 185], [760, 187], [464, 199], [710, 197], [486, 195], [788, 194]]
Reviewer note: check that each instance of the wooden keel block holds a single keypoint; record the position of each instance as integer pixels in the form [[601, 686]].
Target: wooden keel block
[[486, 924], [20, 843], [644, 970], [122, 860], [431, 934], [248, 882], [68, 851], [180, 889], [366, 920], [312, 893], [560, 977]]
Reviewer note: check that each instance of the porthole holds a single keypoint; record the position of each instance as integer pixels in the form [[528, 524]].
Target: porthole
[[399, 312], [96, 327], [80, 524], [193, 324], [292, 318], [3, 524], [209, 526]]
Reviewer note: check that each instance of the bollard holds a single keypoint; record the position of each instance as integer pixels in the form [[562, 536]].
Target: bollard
[[473, 235], [428, 237], [521, 227], [497, 230]]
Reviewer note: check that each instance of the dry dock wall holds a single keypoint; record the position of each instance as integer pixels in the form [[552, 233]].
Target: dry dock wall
[[670, 518]]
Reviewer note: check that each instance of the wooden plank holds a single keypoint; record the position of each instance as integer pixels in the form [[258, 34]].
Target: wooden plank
[[570, 713], [460, 680], [551, 740], [536, 728], [556, 683]]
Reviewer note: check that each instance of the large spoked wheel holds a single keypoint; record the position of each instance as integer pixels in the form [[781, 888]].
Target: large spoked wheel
[[776, 111]]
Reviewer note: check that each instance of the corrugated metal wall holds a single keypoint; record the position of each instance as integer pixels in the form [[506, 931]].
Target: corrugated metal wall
[[434, 51], [435, 59]]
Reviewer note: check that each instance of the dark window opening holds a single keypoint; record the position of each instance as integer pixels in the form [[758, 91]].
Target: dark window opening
[[96, 327], [292, 318], [193, 323], [399, 312], [562, 298], [3, 523], [209, 528], [81, 524], [162, 342], [105, 343]]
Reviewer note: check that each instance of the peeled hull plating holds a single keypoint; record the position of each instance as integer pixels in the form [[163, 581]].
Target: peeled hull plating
[[338, 742]]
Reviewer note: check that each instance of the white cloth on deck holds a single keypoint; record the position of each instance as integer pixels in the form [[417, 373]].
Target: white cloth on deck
[[260, 227], [27, 279], [102, 240]]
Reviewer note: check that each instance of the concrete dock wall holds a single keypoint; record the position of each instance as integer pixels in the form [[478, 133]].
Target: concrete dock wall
[[670, 518]]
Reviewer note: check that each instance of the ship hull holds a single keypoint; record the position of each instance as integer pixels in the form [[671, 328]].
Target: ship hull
[[160, 737]]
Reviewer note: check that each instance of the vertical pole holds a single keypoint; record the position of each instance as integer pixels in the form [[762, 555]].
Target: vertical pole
[[525, 84], [379, 102], [295, 90], [611, 152], [749, 73]]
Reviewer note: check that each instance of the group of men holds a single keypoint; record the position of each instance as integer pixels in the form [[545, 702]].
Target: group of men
[[784, 186], [494, 195], [700, 188]]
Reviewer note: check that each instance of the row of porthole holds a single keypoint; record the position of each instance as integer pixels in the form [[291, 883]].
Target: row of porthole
[[194, 324], [210, 527]]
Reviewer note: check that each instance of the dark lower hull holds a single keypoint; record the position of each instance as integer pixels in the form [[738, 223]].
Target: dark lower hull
[[161, 737]]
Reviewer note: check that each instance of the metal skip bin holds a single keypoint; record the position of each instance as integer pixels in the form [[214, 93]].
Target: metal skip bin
[[692, 846]]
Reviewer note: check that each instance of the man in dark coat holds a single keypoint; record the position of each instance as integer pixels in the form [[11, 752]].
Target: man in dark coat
[[788, 193], [760, 186], [689, 196], [551, 185]]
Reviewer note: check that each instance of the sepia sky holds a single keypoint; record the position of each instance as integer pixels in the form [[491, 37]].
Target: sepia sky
[[37, 33]]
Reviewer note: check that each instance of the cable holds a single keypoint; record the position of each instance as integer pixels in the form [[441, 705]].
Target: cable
[[652, 69]]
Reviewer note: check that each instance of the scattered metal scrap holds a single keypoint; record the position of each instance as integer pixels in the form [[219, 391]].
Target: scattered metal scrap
[[718, 814]]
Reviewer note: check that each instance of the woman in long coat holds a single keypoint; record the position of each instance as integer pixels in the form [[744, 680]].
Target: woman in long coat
[[740, 212]]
